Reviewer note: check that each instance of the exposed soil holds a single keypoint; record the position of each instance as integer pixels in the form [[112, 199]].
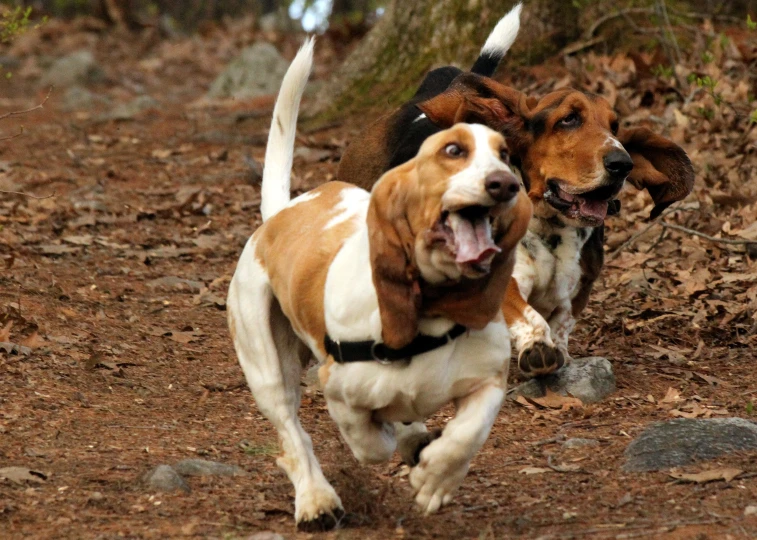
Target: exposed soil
[[130, 367]]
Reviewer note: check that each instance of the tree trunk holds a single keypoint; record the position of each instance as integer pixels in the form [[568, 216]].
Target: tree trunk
[[413, 37]]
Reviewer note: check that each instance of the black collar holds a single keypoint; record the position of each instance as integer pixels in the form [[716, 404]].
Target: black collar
[[360, 351]]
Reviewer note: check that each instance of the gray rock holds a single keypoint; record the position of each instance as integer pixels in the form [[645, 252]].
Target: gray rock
[[579, 443], [589, 379], [127, 111], [78, 98], [165, 478], [203, 467], [258, 71], [76, 68], [279, 21], [174, 283], [683, 441], [265, 535]]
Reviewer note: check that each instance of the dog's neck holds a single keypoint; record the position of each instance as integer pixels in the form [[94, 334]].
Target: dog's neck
[[552, 231]]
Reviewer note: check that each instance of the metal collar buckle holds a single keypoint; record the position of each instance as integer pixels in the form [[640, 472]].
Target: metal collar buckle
[[376, 357]]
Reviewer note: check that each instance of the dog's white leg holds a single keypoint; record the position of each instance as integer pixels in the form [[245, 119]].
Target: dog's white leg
[[269, 354], [561, 324], [445, 461], [530, 332], [371, 441]]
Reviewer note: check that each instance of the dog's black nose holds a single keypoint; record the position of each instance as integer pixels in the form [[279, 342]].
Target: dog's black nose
[[502, 186], [618, 163]]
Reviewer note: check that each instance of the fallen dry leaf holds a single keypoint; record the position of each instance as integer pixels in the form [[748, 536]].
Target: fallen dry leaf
[[22, 475], [534, 470], [5, 333], [707, 476], [553, 400], [671, 396]]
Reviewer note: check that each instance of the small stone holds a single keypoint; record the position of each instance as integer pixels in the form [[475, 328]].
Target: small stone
[[78, 98], [174, 283], [683, 441], [257, 71], [579, 443], [265, 535], [203, 467], [588, 379], [165, 478], [127, 111], [76, 68], [750, 510]]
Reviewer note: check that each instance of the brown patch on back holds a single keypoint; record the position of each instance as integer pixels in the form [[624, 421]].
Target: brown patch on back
[[367, 157], [297, 273], [475, 99]]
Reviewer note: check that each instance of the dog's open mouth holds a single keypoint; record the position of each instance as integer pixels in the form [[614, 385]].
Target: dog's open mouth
[[467, 235], [590, 207]]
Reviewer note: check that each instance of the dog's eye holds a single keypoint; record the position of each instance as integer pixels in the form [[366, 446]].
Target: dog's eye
[[504, 156], [614, 127], [572, 120], [453, 150]]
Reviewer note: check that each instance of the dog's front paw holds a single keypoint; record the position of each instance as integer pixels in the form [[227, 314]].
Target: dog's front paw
[[436, 477], [318, 510], [540, 359], [411, 447]]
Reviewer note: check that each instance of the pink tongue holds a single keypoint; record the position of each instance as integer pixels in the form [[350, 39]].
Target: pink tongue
[[473, 241], [594, 209]]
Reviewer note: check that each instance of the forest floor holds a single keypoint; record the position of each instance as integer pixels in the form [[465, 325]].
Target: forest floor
[[116, 284]]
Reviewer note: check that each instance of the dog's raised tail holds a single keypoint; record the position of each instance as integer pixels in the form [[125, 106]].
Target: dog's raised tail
[[498, 43], [277, 169]]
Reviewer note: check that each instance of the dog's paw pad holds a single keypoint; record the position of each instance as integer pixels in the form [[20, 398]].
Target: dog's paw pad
[[540, 359], [324, 522]]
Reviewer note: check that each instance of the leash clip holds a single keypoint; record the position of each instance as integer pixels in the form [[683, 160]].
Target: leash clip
[[376, 357]]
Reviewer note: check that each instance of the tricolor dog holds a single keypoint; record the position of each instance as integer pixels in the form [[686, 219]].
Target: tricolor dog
[[573, 161], [396, 292]]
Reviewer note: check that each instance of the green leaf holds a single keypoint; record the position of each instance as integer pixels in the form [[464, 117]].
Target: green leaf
[[750, 23]]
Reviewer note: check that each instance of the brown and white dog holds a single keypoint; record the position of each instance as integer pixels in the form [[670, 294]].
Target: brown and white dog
[[409, 278], [573, 160]]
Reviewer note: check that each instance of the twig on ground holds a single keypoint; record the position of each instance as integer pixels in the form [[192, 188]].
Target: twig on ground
[[564, 468], [621, 13], [27, 194], [9, 137], [39, 106], [551, 440], [726, 241], [618, 250]]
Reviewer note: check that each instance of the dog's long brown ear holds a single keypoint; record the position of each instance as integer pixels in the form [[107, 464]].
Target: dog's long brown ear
[[475, 99], [659, 165], [395, 275]]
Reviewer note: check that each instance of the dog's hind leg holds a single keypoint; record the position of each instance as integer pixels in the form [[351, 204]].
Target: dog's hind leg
[[269, 353]]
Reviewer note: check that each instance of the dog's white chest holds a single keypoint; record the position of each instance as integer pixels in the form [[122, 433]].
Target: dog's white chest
[[411, 391], [350, 302], [551, 256]]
